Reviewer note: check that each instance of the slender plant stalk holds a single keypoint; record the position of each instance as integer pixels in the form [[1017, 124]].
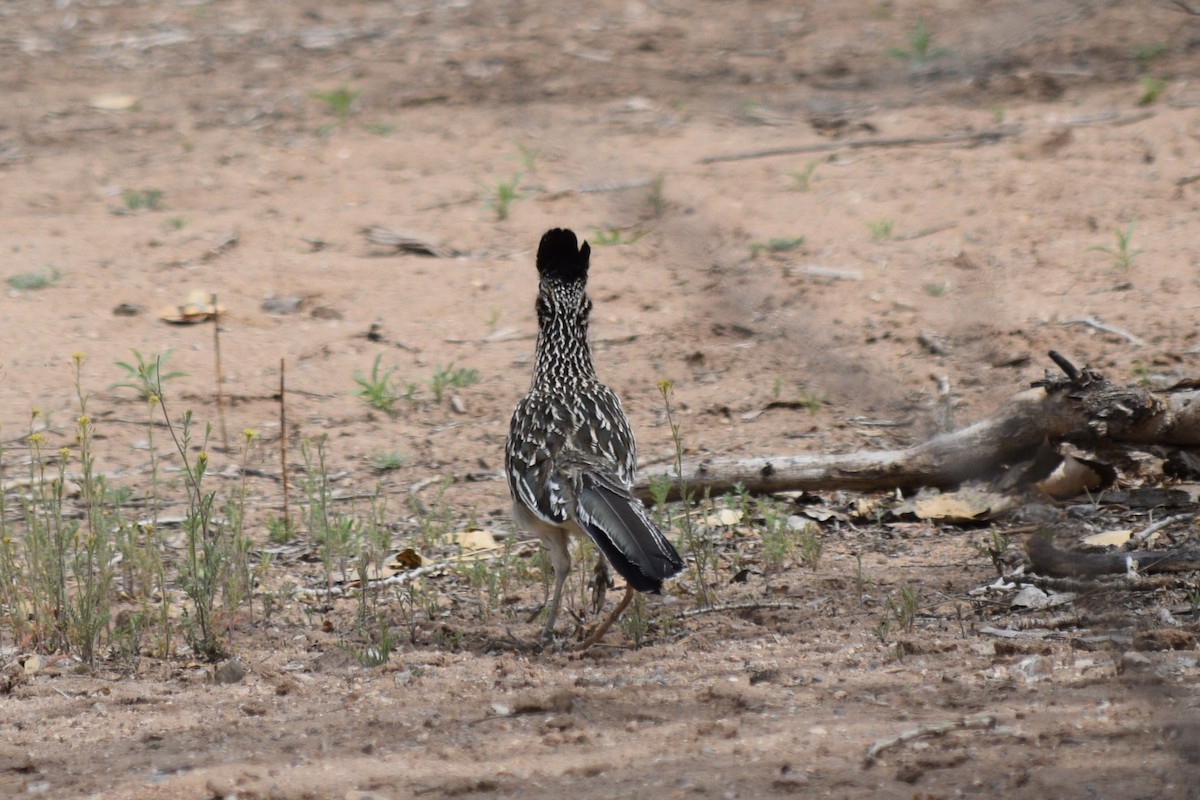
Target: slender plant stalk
[[283, 447], [220, 377]]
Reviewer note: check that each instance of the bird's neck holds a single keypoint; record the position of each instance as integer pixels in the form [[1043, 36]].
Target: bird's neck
[[563, 354]]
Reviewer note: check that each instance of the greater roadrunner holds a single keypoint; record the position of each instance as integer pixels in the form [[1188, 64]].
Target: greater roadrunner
[[570, 455]]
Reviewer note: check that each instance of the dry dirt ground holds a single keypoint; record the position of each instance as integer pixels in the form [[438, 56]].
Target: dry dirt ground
[[610, 112]]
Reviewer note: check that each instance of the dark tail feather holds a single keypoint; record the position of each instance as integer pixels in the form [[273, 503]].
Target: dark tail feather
[[631, 542]]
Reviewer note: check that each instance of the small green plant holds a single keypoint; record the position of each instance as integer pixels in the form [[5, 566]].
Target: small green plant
[[1193, 598], [145, 375], [936, 288], [612, 236], [809, 545], [701, 547], [32, 281], [1146, 54], [378, 390], [137, 199], [994, 548], [656, 199], [528, 156], [904, 608], [777, 544], [634, 623], [881, 229], [435, 521], [803, 177], [776, 245], [202, 568], [1123, 254], [998, 114], [1142, 373], [754, 113], [920, 48], [339, 102], [451, 377], [278, 530], [387, 461], [812, 401], [379, 128], [333, 533], [503, 195], [381, 641], [882, 628], [1152, 89], [862, 581], [176, 223]]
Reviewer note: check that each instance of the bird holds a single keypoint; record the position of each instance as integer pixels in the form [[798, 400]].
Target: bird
[[570, 455]]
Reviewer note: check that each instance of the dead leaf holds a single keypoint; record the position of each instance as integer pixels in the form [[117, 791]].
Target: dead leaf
[[473, 540], [1033, 597], [196, 307], [964, 505], [405, 559], [725, 516], [1108, 538], [115, 102]]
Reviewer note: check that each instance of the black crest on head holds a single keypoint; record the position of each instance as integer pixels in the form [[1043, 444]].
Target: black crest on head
[[560, 257]]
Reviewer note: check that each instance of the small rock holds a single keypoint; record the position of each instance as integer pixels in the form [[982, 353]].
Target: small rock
[[282, 305], [1134, 660], [559, 701], [229, 672], [1033, 668], [1164, 639], [127, 310], [325, 312]]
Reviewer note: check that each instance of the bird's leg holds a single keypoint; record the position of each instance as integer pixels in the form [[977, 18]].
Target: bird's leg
[[600, 584], [560, 559], [609, 620]]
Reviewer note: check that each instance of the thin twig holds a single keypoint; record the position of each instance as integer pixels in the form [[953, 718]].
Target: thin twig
[[978, 137], [1148, 531], [391, 580], [287, 516], [1096, 324], [932, 229], [216, 317], [930, 729]]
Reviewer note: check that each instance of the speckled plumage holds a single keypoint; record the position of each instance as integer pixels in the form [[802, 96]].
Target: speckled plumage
[[570, 455]]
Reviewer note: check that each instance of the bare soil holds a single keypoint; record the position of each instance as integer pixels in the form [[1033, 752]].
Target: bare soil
[[265, 193]]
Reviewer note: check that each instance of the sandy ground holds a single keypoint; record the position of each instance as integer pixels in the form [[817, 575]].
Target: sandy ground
[[618, 117]]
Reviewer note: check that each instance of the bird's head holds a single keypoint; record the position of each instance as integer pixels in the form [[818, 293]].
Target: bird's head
[[560, 258], [562, 265]]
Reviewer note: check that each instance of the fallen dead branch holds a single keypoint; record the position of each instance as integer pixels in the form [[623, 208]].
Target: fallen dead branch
[[1047, 559], [1104, 327], [1154, 527], [984, 721], [1082, 408], [400, 242], [749, 606], [977, 137]]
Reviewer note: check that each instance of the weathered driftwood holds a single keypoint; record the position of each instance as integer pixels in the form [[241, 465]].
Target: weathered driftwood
[[1079, 406]]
